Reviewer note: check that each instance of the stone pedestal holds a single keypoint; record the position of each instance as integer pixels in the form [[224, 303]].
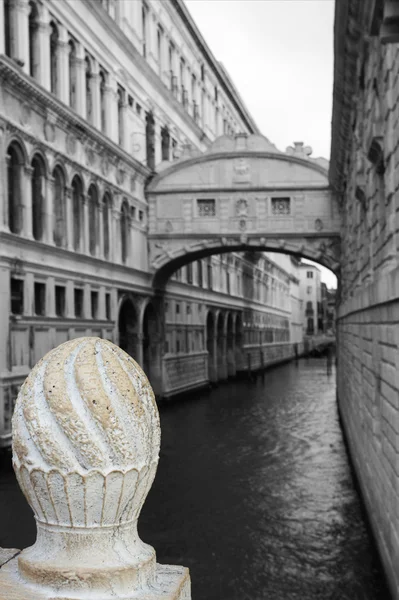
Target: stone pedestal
[[86, 440]]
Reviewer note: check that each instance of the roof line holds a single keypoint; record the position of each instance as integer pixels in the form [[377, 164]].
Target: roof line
[[217, 68]]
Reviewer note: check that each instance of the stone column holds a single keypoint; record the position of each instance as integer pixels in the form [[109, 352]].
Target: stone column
[[123, 139], [111, 103], [43, 48], [27, 202], [95, 93], [101, 303], [86, 301], [80, 81], [19, 24], [2, 29], [50, 297], [3, 177], [115, 239], [69, 218], [48, 230], [63, 64], [69, 300]]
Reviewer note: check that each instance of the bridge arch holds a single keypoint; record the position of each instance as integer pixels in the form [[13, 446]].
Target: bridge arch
[[242, 194]]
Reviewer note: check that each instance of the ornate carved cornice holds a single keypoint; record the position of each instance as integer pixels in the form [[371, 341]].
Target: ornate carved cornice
[[16, 78]]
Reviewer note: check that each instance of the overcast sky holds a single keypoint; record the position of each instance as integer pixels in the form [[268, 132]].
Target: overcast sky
[[279, 54]]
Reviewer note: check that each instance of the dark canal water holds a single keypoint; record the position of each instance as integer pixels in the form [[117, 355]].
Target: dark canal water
[[254, 493]]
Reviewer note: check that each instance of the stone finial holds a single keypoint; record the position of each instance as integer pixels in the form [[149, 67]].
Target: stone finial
[[86, 439], [300, 150]]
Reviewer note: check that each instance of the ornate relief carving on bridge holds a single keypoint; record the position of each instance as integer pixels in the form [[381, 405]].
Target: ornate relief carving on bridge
[[248, 194]]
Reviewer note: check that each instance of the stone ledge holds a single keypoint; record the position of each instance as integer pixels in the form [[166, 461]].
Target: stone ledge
[[172, 583]]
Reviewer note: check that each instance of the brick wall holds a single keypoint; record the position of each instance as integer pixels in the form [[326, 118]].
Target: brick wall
[[368, 315]]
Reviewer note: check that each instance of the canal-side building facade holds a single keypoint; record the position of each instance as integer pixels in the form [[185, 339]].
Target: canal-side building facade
[[96, 96], [364, 173], [310, 291]]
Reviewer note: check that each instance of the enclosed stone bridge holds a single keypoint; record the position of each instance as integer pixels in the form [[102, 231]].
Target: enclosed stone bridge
[[242, 194]]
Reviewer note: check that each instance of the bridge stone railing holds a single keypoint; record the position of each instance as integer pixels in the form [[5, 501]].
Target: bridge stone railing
[[86, 440]]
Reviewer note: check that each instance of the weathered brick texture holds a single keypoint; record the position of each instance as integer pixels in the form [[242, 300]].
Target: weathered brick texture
[[368, 315]]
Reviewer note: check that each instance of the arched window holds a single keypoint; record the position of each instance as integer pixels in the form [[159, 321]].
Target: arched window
[[15, 164], [93, 219], [77, 192], [103, 107], [33, 41], [59, 209], [7, 27], [106, 221], [89, 99], [125, 231], [72, 74], [38, 197], [54, 57]]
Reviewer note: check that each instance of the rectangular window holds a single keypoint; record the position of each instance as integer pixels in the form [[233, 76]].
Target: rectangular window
[[40, 298], [78, 301], [141, 216], [108, 306], [188, 309], [206, 207], [177, 309], [281, 206], [60, 300], [228, 282], [309, 274], [17, 296], [94, 305]]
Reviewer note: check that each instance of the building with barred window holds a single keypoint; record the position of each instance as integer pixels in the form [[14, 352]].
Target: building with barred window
[[94, 97]]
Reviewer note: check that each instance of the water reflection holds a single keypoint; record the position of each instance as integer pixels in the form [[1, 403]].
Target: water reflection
[[253, 493]]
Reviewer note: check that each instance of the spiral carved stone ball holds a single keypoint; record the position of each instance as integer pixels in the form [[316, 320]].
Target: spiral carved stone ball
[[86, 417]]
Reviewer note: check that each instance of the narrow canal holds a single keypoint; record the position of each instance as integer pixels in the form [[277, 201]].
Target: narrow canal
[[254, 493]]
